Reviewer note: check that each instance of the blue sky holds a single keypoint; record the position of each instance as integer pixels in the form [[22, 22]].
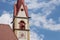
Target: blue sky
[[45, 17]]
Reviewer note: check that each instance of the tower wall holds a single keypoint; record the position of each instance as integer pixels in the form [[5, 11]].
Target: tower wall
[[21, 21]]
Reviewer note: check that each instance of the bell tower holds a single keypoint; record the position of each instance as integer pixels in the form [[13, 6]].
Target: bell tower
[[21, 21]]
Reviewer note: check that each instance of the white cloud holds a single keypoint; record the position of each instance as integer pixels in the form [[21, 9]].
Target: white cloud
[[6, 18], [53, 27], [33, 4], [10, 2], [34, 36], [41, 37], [47, 8], [3, 0], [27, 1], [37, 19], [51, 21], [59, 19]]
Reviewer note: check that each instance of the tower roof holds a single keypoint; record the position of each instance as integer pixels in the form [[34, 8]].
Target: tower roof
[[6, 33], [18, 5]]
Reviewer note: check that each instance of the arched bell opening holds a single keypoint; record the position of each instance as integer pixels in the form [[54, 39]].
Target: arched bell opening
[[22, 25]]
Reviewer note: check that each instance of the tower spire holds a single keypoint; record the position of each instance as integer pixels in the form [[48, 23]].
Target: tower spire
[[19, 2], [18, 6]]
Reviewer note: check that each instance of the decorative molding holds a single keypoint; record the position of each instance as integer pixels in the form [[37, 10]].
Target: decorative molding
[[23, 17], [22, 30]]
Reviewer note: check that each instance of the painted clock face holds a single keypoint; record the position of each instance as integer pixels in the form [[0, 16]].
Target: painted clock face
[[22, 35]]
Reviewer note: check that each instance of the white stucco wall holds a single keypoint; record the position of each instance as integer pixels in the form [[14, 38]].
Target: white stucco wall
[[18, 33], [17, 20], [21, 13]]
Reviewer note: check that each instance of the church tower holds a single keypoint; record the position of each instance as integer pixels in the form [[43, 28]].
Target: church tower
[[21, 21]]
